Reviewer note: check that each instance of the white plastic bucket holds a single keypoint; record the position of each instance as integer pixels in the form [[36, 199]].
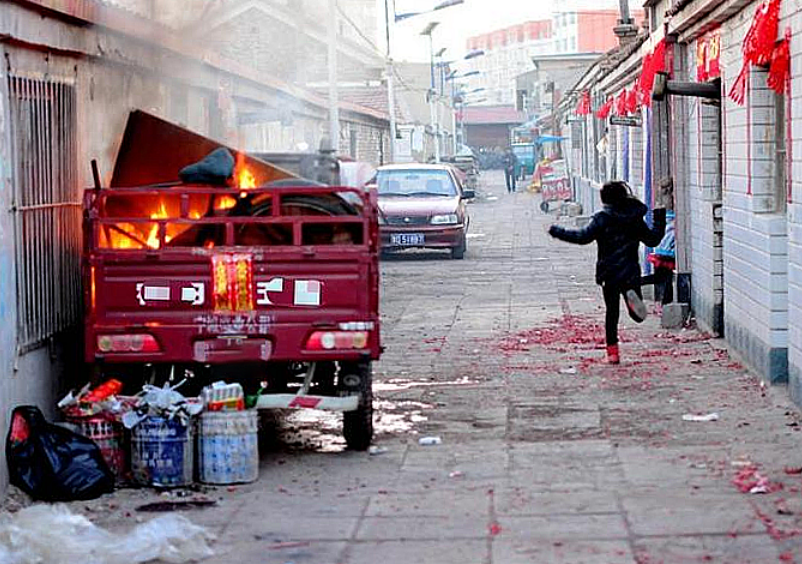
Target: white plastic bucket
[[228, 447]]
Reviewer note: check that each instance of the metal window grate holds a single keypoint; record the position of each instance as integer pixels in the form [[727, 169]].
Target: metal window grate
[[46, 209]]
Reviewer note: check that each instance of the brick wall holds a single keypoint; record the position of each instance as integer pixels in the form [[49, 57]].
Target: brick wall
[[703, 142], [795, 217], [755, 250]]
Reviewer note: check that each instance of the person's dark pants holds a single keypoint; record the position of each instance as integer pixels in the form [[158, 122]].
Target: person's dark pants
[[663, 280], [612, 301], [664, 285], [510, 177]]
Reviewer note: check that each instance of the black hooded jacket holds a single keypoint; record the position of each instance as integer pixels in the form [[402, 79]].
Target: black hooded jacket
[[619, 230]]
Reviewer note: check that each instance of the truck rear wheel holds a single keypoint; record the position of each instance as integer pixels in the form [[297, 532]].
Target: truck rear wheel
[[358, 425]]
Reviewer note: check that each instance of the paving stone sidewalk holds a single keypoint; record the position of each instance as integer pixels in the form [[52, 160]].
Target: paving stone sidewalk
[[547, 455]]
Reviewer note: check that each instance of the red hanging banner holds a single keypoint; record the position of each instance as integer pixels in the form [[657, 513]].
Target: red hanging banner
[[708, 56]]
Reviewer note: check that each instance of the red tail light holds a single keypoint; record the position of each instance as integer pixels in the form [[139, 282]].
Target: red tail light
[[337, 340], [128, 343]]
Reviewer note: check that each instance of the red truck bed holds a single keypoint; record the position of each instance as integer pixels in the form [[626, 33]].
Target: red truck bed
[[189, 274]]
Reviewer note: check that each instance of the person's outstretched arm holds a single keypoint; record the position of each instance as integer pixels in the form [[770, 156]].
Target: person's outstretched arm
[[652, 237], [583, 236]]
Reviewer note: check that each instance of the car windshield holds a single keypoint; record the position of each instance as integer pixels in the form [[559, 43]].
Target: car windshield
[[416, 183]]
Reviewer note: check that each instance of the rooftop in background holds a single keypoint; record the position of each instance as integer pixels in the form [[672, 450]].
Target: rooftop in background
[[492, 115], [375, 98]]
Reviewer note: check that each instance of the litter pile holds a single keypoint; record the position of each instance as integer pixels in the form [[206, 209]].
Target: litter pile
[[51, 533], [150, 439]]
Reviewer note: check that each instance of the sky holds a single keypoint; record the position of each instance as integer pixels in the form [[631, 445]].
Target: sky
[[474, 17]]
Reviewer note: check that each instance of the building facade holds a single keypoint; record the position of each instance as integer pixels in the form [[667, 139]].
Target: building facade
[[721, 147], [509, 51]]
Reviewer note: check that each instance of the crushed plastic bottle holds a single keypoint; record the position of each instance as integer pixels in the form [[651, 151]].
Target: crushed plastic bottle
[[430, 441]]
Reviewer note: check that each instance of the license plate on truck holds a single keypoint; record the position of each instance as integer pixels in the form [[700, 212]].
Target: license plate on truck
[[406, 239]]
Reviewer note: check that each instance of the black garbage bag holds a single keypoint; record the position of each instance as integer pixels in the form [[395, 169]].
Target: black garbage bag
[[51, 463], [215, 169]]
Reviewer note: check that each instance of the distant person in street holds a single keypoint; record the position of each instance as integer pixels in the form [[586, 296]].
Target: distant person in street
[[619, 229], [510, 164]]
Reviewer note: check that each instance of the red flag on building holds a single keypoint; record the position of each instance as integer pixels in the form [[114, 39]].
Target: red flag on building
[[583, 107], [652, 64], [606, 108], [632, 100], [759, 46], [780, 70], [621, 104]]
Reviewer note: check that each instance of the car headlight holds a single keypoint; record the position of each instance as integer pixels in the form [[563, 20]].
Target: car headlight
[[382, 221], [450, 219]]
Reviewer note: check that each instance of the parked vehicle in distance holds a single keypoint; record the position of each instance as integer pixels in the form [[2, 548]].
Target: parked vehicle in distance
[[527, 158], [422, 206]]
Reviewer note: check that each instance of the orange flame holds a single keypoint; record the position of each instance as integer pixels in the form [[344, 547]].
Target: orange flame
[[245, 180]]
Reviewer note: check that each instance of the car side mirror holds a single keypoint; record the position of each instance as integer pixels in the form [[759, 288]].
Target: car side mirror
[[468, 194]]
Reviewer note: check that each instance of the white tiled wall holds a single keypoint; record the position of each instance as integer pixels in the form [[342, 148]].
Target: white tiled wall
[[755, 248]]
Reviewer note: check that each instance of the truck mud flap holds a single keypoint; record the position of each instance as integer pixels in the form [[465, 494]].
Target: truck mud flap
[[294, 401]]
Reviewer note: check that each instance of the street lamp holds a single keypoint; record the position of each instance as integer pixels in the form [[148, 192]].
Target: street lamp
[[440, 6]]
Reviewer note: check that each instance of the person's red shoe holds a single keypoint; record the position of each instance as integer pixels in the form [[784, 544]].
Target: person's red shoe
[[612, 355]]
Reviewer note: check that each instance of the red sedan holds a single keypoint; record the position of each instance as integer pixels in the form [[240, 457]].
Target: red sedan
[[423, 206]]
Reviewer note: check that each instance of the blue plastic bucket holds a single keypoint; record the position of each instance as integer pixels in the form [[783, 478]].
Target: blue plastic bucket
[[162, 453]]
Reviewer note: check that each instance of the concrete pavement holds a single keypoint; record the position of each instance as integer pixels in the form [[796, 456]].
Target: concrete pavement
[[547, 454]]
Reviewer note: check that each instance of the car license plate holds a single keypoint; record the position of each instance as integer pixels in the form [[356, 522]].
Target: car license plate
[[406, 239]]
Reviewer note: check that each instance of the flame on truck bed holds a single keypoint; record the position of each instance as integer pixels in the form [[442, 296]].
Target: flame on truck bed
[[152, 153]]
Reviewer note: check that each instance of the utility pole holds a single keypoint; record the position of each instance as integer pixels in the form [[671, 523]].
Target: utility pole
[[334, 97], [390, 81], [433, 91]]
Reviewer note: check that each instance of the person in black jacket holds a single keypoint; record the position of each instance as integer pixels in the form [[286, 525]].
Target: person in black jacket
[[619, 229], [510, 165]]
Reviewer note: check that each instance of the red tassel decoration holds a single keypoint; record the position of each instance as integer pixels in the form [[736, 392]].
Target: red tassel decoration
[[780, 70], [762, 35], [738, 91]]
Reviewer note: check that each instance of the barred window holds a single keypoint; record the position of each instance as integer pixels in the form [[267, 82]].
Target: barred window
[[46, 208]]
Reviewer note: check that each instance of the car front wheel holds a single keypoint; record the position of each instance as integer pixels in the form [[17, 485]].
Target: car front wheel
[[458, 252]]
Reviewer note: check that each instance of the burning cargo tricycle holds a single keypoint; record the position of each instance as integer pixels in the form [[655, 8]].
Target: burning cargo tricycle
[[269, 285]]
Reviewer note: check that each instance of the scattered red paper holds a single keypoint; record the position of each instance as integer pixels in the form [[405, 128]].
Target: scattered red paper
[[495, 529]]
